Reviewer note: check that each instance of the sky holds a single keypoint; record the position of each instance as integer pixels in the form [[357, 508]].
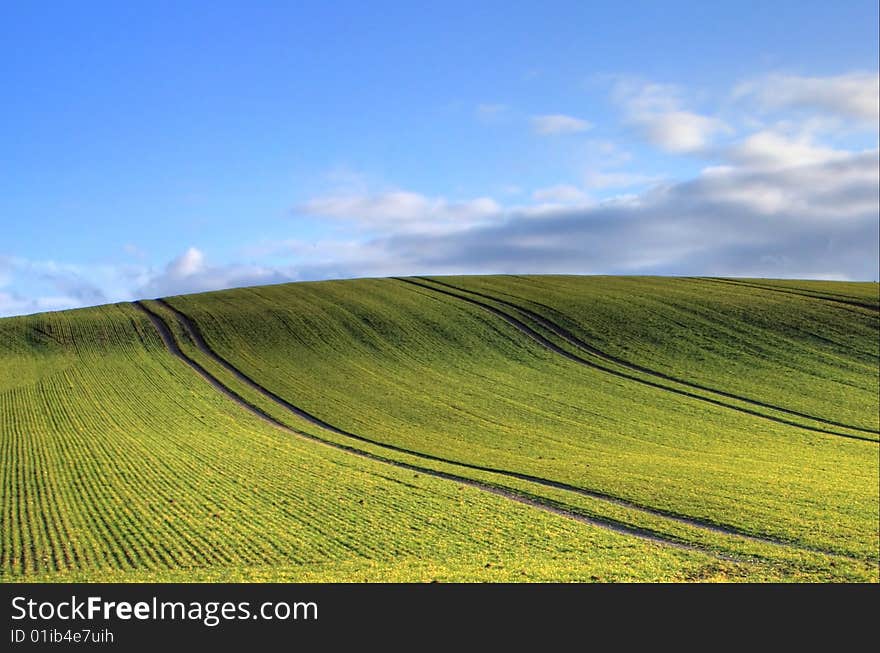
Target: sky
[[156, 148]]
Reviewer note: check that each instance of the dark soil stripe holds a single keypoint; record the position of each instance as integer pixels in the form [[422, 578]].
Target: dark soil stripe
[[534, 335], [520, 497], [580, 344], [198, 340], [791, 291]]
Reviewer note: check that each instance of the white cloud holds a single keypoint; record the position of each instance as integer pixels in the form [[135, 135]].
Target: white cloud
[[854, 96], [191, 262], [656, 111], [598, 179], [780, 202], [840, 187], [403, 210], [54, 286], [190, 272], [817, 220], [804, 216], [602, 161], [770, 149], [680, 131], [561, 194], [559, 124], [16, 304], [646, 98]]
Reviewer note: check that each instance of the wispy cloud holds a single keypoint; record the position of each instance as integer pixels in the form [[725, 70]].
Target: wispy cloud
[[854, 96], [770, 149], [12, 303], [784, 215], [730, 221], [402, 210], [598, 179], [558, 123], [803, 216], [57, 286], [561, 194], [779, 197], [54, 286], [657, 112]]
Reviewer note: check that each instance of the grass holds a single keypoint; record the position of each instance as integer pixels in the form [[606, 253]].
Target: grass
[[121, 465], [119, 462], [425, 372], [803, 353]]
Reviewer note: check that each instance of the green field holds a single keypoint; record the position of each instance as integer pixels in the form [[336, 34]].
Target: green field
[[499, 428]]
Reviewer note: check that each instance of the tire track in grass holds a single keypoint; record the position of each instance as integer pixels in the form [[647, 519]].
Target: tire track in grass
[[590, 349], [195, 335], [523, 498], [822, 297], [540, 339]]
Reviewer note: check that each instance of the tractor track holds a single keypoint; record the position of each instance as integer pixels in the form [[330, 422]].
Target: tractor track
[[800, 292], [542, 340], [590, 349], [547, 505], [170, 343]]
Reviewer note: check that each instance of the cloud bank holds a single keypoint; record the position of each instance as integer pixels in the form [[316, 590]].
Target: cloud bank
[[816, 220], [777, 196]]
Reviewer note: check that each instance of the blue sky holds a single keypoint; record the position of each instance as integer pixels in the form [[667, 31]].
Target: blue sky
[[155, 148]]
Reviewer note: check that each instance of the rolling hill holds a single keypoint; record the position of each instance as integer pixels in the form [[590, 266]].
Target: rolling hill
[[508, 428]]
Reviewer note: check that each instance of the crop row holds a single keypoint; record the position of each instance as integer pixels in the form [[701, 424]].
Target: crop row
[[128, 463], [808, 355], [366, 356]]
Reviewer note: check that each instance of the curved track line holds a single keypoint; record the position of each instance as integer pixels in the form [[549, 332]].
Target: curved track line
[[520, 497], [534, 335], [580, 344], [813, 293], [791, 291], [195, 335]]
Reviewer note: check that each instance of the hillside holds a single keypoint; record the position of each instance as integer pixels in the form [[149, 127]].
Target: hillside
[[455, 428]]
